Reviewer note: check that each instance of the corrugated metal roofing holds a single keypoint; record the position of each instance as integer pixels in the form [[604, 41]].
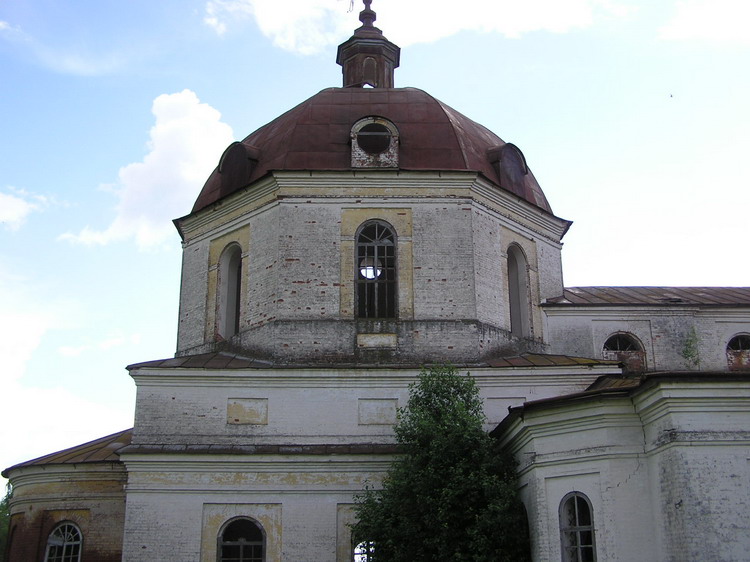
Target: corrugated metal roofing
[[654, 296], [104, 449]]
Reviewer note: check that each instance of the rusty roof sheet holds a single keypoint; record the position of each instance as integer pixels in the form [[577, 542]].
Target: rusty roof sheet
[[315, 135], [104, 449], [544, 360], [653, 296], [219, 360], [227, 361]]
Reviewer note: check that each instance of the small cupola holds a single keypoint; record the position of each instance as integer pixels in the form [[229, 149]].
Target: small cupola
[[368, 58]]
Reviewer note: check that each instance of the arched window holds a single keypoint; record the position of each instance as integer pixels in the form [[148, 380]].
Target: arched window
[[64, 544], [518, 293], [577, 529], [738, 353], [376, 271], [242, 540], [230, 284], [621, 342], [739, 343], [626, 349]]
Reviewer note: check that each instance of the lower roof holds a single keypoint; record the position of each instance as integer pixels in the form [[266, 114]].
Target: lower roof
[[227, 361], [653, 296], [104, 449]]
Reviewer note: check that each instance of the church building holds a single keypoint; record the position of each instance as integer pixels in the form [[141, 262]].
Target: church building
[[364, 233]]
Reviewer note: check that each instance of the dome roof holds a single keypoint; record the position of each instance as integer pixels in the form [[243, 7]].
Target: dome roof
[[315, 135]]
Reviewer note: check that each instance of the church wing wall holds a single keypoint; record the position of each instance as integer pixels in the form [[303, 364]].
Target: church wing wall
[[673, 338], [662, 467]]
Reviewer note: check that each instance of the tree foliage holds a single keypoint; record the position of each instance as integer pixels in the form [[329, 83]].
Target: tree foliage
[[452, 496], [4, 522]]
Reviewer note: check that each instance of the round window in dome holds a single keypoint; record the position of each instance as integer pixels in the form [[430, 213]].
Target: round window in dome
[[374, 138]]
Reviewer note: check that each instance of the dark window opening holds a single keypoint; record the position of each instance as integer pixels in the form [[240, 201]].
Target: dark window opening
[[230, 295], [577, 529], [518, 294], [621, 342], [242, 541], [738, 353], [739, 343], [374, 138], [64, 544], [376, 272]]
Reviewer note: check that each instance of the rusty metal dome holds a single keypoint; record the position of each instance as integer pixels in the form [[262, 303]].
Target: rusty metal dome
[[315, 135]]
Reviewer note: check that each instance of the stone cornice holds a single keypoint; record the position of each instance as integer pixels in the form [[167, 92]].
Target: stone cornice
[[391, 185], [364, 378]]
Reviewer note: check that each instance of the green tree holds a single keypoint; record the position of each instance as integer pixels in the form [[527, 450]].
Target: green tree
[[4, 522], [452, 495]]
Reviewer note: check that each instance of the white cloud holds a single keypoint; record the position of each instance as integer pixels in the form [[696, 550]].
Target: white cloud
[[309, 26], [185, 145], [24, 320], [43, 411], [295, 25], [722, 21], [11, 32], [15, 208]]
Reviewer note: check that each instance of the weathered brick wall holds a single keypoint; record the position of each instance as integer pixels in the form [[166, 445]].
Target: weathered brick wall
[[90, 496], [696, 439], [193, 315], [299, 272], [490, 271], [665, 470], [677, 338], [444, 261]]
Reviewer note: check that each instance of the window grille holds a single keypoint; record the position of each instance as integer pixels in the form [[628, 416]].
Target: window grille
[[577, 529], [621, 342], [64, 544], [376, 271], [739, 343], [242, 541]]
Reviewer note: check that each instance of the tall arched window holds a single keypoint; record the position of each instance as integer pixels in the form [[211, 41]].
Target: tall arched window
[[518, 293], [64, 544], [577, 529], [230, 284], [376, 271], [242, 540]]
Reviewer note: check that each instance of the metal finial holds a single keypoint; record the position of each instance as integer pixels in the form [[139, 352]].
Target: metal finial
[[367, 16]]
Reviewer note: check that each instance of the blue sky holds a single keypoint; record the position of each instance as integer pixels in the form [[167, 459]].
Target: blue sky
[[633, 116]]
